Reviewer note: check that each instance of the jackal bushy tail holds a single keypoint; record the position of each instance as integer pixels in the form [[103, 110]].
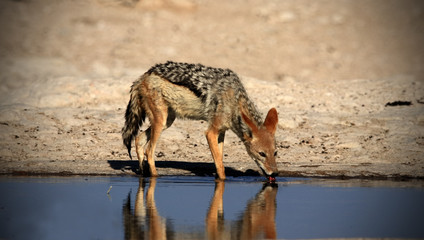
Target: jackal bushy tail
[[134, 117]]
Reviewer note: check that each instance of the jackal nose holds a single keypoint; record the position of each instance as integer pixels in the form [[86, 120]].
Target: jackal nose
[[272, 172]]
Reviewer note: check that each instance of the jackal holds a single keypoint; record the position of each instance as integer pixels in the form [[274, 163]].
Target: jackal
[[180, 90]]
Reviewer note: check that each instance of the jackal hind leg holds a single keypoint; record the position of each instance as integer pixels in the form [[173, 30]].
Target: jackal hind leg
[[215, 139], [162, 119], [141, 141]]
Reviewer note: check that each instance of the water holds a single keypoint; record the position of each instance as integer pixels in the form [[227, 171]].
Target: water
[[199, 208]]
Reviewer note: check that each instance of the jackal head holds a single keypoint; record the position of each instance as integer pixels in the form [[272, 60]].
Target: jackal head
[[260, 143]]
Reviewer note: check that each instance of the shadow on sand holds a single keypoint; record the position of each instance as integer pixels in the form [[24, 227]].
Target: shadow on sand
[[198, 169]]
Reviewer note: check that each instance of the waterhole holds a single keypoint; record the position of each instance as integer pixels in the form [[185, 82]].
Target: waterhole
[[200, 208]]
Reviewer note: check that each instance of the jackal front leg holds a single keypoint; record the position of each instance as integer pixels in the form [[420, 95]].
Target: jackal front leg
[[216, 144]]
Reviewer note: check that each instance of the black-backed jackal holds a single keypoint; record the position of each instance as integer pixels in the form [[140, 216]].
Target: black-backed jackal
[[180, 90]]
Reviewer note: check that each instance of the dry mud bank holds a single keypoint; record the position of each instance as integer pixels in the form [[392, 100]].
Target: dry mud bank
[[72, 125], [327, 66]]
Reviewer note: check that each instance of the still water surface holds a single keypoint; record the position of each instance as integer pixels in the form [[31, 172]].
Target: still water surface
[[199, 208]]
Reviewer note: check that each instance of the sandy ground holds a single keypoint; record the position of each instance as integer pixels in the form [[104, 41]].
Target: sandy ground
[[329, 67]]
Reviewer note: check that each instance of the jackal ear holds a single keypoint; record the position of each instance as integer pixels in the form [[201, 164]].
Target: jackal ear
[[249, 122], [271, 121]]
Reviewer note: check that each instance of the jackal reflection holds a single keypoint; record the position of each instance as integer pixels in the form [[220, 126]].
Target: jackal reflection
[[257, 221]]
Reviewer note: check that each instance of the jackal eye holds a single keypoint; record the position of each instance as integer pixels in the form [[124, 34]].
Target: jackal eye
[[262, 154], [275, 153]]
